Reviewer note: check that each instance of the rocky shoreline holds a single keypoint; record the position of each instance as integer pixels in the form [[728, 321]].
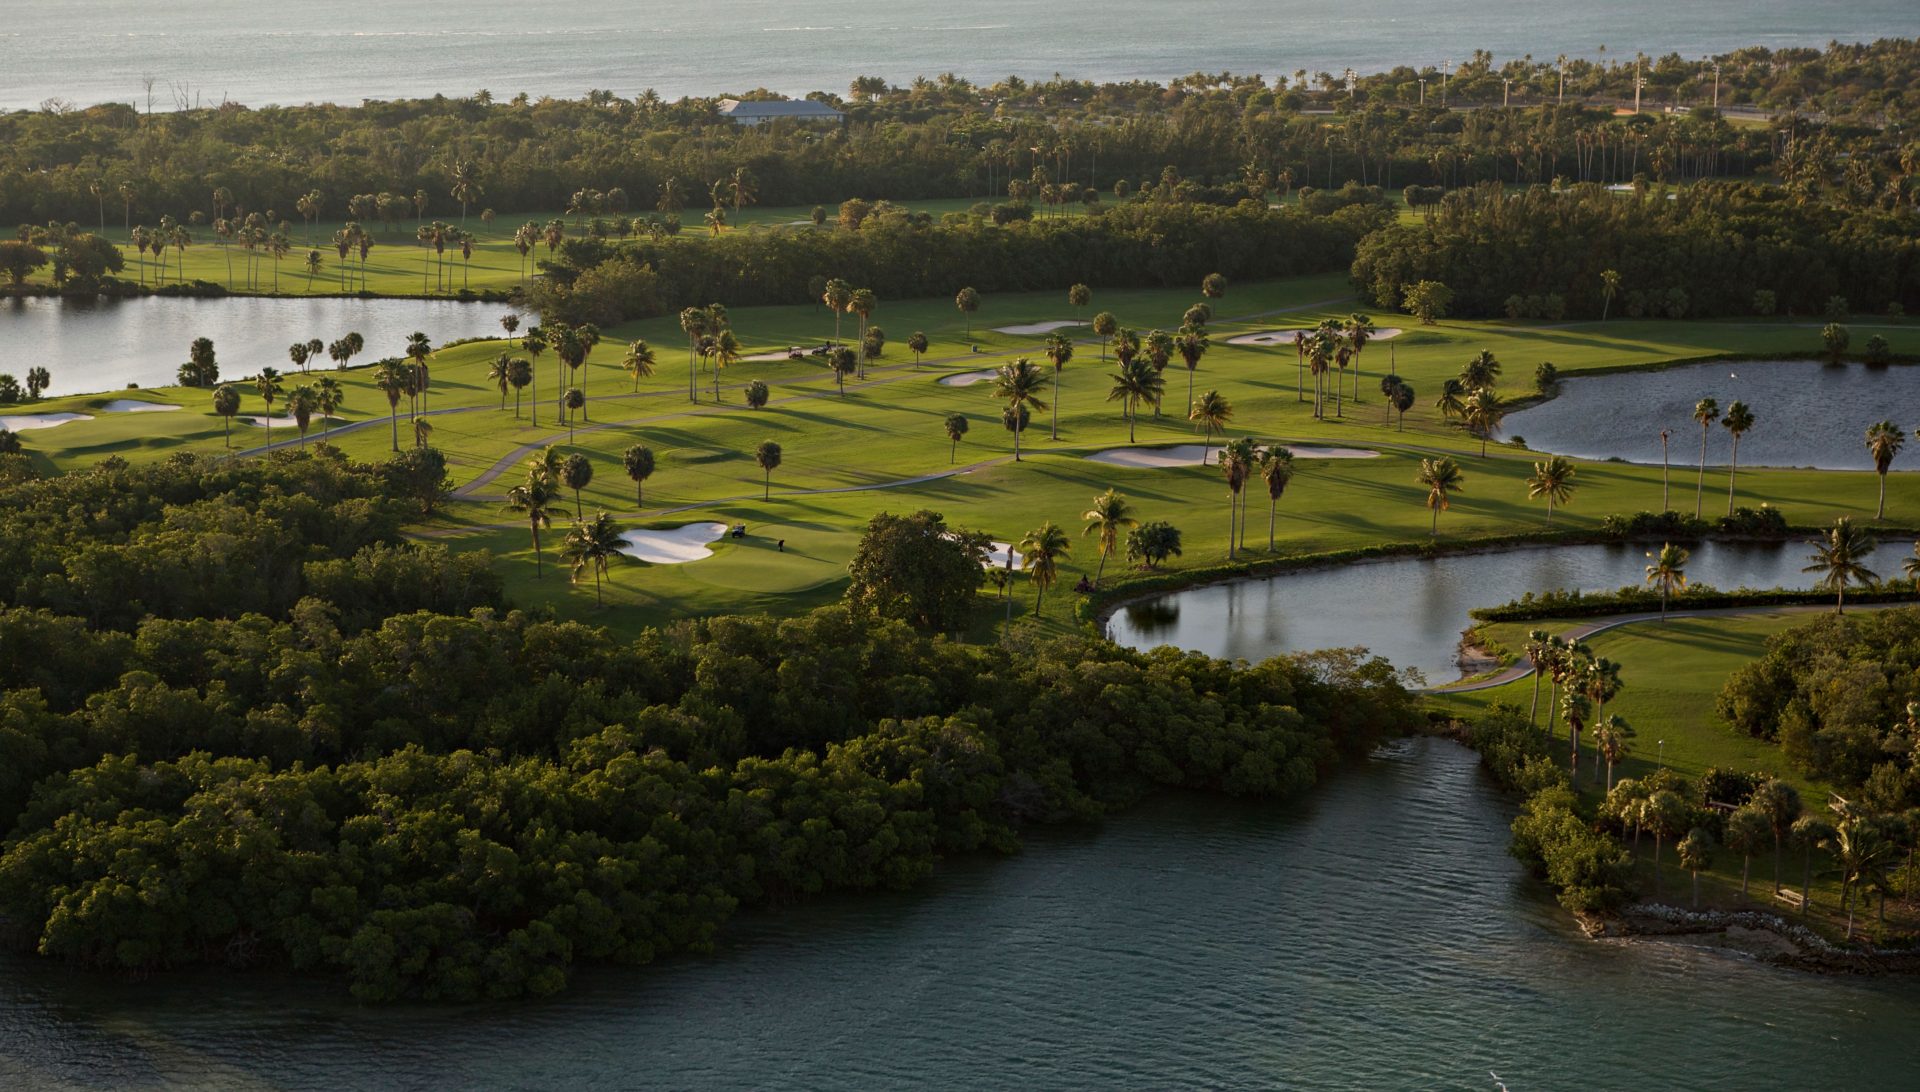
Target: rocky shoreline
[[1762, 936]]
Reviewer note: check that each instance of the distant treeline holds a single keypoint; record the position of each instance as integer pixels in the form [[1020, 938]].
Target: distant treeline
[[947, 137], [1136, 244], [1707, 250]]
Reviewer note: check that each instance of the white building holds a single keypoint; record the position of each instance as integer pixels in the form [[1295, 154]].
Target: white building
[[755, 113]]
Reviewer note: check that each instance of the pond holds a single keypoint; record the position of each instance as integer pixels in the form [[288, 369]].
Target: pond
[[1806, 413], [1372, 934], [1412, 610], [90, 346]]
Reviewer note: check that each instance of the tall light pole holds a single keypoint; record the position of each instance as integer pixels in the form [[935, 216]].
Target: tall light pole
[[1506, 91], [1423, 90], [1352, 79], [1563, 78], [1716, 85], [1639, 81]]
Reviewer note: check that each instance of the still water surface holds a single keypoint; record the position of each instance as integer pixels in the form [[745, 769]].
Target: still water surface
[[1411, 610], [1806, 414], [345, 50], [101, 345], [1373, 934]]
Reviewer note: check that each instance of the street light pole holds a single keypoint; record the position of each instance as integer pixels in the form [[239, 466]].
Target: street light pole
[[1423, 90]]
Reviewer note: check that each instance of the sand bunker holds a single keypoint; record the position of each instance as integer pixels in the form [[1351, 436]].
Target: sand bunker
[[1156, 458], [21, 422], [281, 422], [767, 358], [129, 405], [674, 546], [1037, 327], [1285, 337], [966, 379], [997, 556]]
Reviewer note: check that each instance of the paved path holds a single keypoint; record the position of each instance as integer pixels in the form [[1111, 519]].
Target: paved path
[[1522, 669]]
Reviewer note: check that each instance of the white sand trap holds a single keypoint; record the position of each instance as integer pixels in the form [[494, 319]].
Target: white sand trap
[[281, 422], [131, 405], [997, 556], [1037, 327], [21, 422], [966, 379], [1285, 337], [1160, 458], [767, 358], [674, 546]]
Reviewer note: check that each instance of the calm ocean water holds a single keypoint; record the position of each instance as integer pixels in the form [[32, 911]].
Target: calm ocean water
[[88, 51]]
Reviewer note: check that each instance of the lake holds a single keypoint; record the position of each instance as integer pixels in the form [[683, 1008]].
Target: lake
[[101, 345], [1806, 414], [1372, 934], [342, 51], [1411, 610]]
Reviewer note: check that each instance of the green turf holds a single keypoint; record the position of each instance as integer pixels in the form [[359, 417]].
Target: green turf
[[1672, 672], [888, 428], [399, 266]]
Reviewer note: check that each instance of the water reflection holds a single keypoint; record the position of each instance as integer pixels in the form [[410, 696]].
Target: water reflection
[[1809, 413], [1412, 610], [101, 345]]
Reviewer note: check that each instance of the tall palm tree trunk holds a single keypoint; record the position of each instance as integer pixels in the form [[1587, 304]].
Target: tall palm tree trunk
[[1733, 471], [1700, 483]]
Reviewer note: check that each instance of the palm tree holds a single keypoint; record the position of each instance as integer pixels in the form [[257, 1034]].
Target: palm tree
[[1276, 469], [1300, 368], [1482, 372], [917, 343], [1839, 557], [639, 463], [724, 353], [1780, 802], [573, 400], [329, 396], [519, 374], [1483, 416], [1696, 855], [1059, 350], [767, 455], [842, 361], [1705, 413], [1191, 344], [1738, 422], [576, 473], [862, 303], [1609, 288], [1576, 707], [838, 296], [1883, 443], [1104, 327], [968, 301], [1668, 573], [1403, 399], [226, 403], [1134, 383], [419, 349], [298, 353], [1110, 515], [1539, 650], [498, 372], [1748, 831], [1666, 814], [533, 500], [1211, 412], [268, 384], [391, 378], [1359, 331], [422, 431], [1809, 831], [1018, 385], [301, 402], [956, 425], [1040, 554], [639, 361], [591, 545], [1611, 738], [1553, 479], [1452, 401], [1442, 478], [693, 321], [1236, 464]]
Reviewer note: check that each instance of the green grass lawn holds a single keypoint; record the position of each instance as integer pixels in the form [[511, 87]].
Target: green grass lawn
[[888, 428], [399, 266], [1672, 673]]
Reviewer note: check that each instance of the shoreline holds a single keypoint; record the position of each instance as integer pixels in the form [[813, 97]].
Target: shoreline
[[1757, 934]]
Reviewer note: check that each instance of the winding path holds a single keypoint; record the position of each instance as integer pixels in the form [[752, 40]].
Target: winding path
[[1522, 669]]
